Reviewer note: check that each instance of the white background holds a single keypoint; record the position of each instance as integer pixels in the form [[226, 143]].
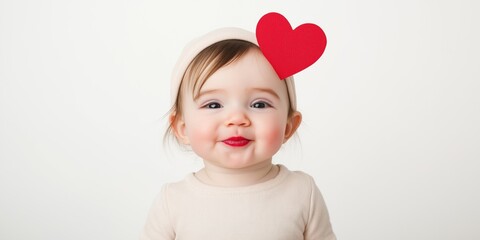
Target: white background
[[391, 111]]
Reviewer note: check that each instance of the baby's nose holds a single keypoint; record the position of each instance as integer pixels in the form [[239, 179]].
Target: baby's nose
[[237, 117]]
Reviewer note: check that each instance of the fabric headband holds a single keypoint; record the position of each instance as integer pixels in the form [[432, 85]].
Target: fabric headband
[[288, 50]]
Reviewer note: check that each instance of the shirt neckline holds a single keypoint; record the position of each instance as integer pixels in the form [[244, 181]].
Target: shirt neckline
[[195, 183]]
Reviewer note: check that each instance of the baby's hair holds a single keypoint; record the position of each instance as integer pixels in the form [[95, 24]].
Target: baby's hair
[[206, 63]]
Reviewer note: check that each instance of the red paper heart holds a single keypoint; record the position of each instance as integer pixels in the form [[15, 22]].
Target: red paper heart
[[289, 50]]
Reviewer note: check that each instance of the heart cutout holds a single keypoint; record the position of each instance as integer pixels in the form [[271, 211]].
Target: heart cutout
[[289, 50]]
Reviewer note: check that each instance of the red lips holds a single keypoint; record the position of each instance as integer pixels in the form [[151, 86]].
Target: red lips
[[236, 141]]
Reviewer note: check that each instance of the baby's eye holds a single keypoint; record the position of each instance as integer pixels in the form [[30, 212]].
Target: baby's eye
[[261, 104], [212, 105]]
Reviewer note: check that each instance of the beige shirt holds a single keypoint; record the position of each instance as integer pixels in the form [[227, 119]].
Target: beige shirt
[[288, 207]]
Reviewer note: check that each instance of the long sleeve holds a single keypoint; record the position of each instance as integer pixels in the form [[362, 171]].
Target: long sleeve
[[318, 226], [158, 225]]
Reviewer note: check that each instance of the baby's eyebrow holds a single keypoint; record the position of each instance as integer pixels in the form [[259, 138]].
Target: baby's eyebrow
[[267, 90], [206, 92], [212, 91]]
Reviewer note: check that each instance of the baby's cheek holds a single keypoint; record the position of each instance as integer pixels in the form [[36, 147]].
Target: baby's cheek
[[273, 136], [197, 129], [201, 140], [201, 133]]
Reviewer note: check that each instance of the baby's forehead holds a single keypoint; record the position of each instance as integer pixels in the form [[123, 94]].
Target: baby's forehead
[[253, 63], [251, 66], [251, 73], [256, 57]]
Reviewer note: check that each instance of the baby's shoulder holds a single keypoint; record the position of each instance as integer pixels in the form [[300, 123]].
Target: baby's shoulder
[[175, 186], [299, 179], [297, 174]]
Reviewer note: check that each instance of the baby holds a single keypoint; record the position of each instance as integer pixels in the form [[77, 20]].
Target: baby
[[232, 109]]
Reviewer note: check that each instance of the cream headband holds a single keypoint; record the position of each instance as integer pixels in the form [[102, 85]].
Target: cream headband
[[288, 50]]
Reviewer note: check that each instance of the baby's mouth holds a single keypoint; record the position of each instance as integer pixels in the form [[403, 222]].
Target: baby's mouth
[[237, 141]]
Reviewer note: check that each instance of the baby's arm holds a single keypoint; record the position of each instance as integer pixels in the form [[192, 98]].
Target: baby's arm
[[319, 226], [158, 225]]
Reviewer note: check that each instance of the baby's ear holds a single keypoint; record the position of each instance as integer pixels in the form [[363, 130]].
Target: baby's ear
[[179, 128], [292, 125]]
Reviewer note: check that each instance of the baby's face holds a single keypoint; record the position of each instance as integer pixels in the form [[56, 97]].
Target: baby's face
[[239, 118]]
